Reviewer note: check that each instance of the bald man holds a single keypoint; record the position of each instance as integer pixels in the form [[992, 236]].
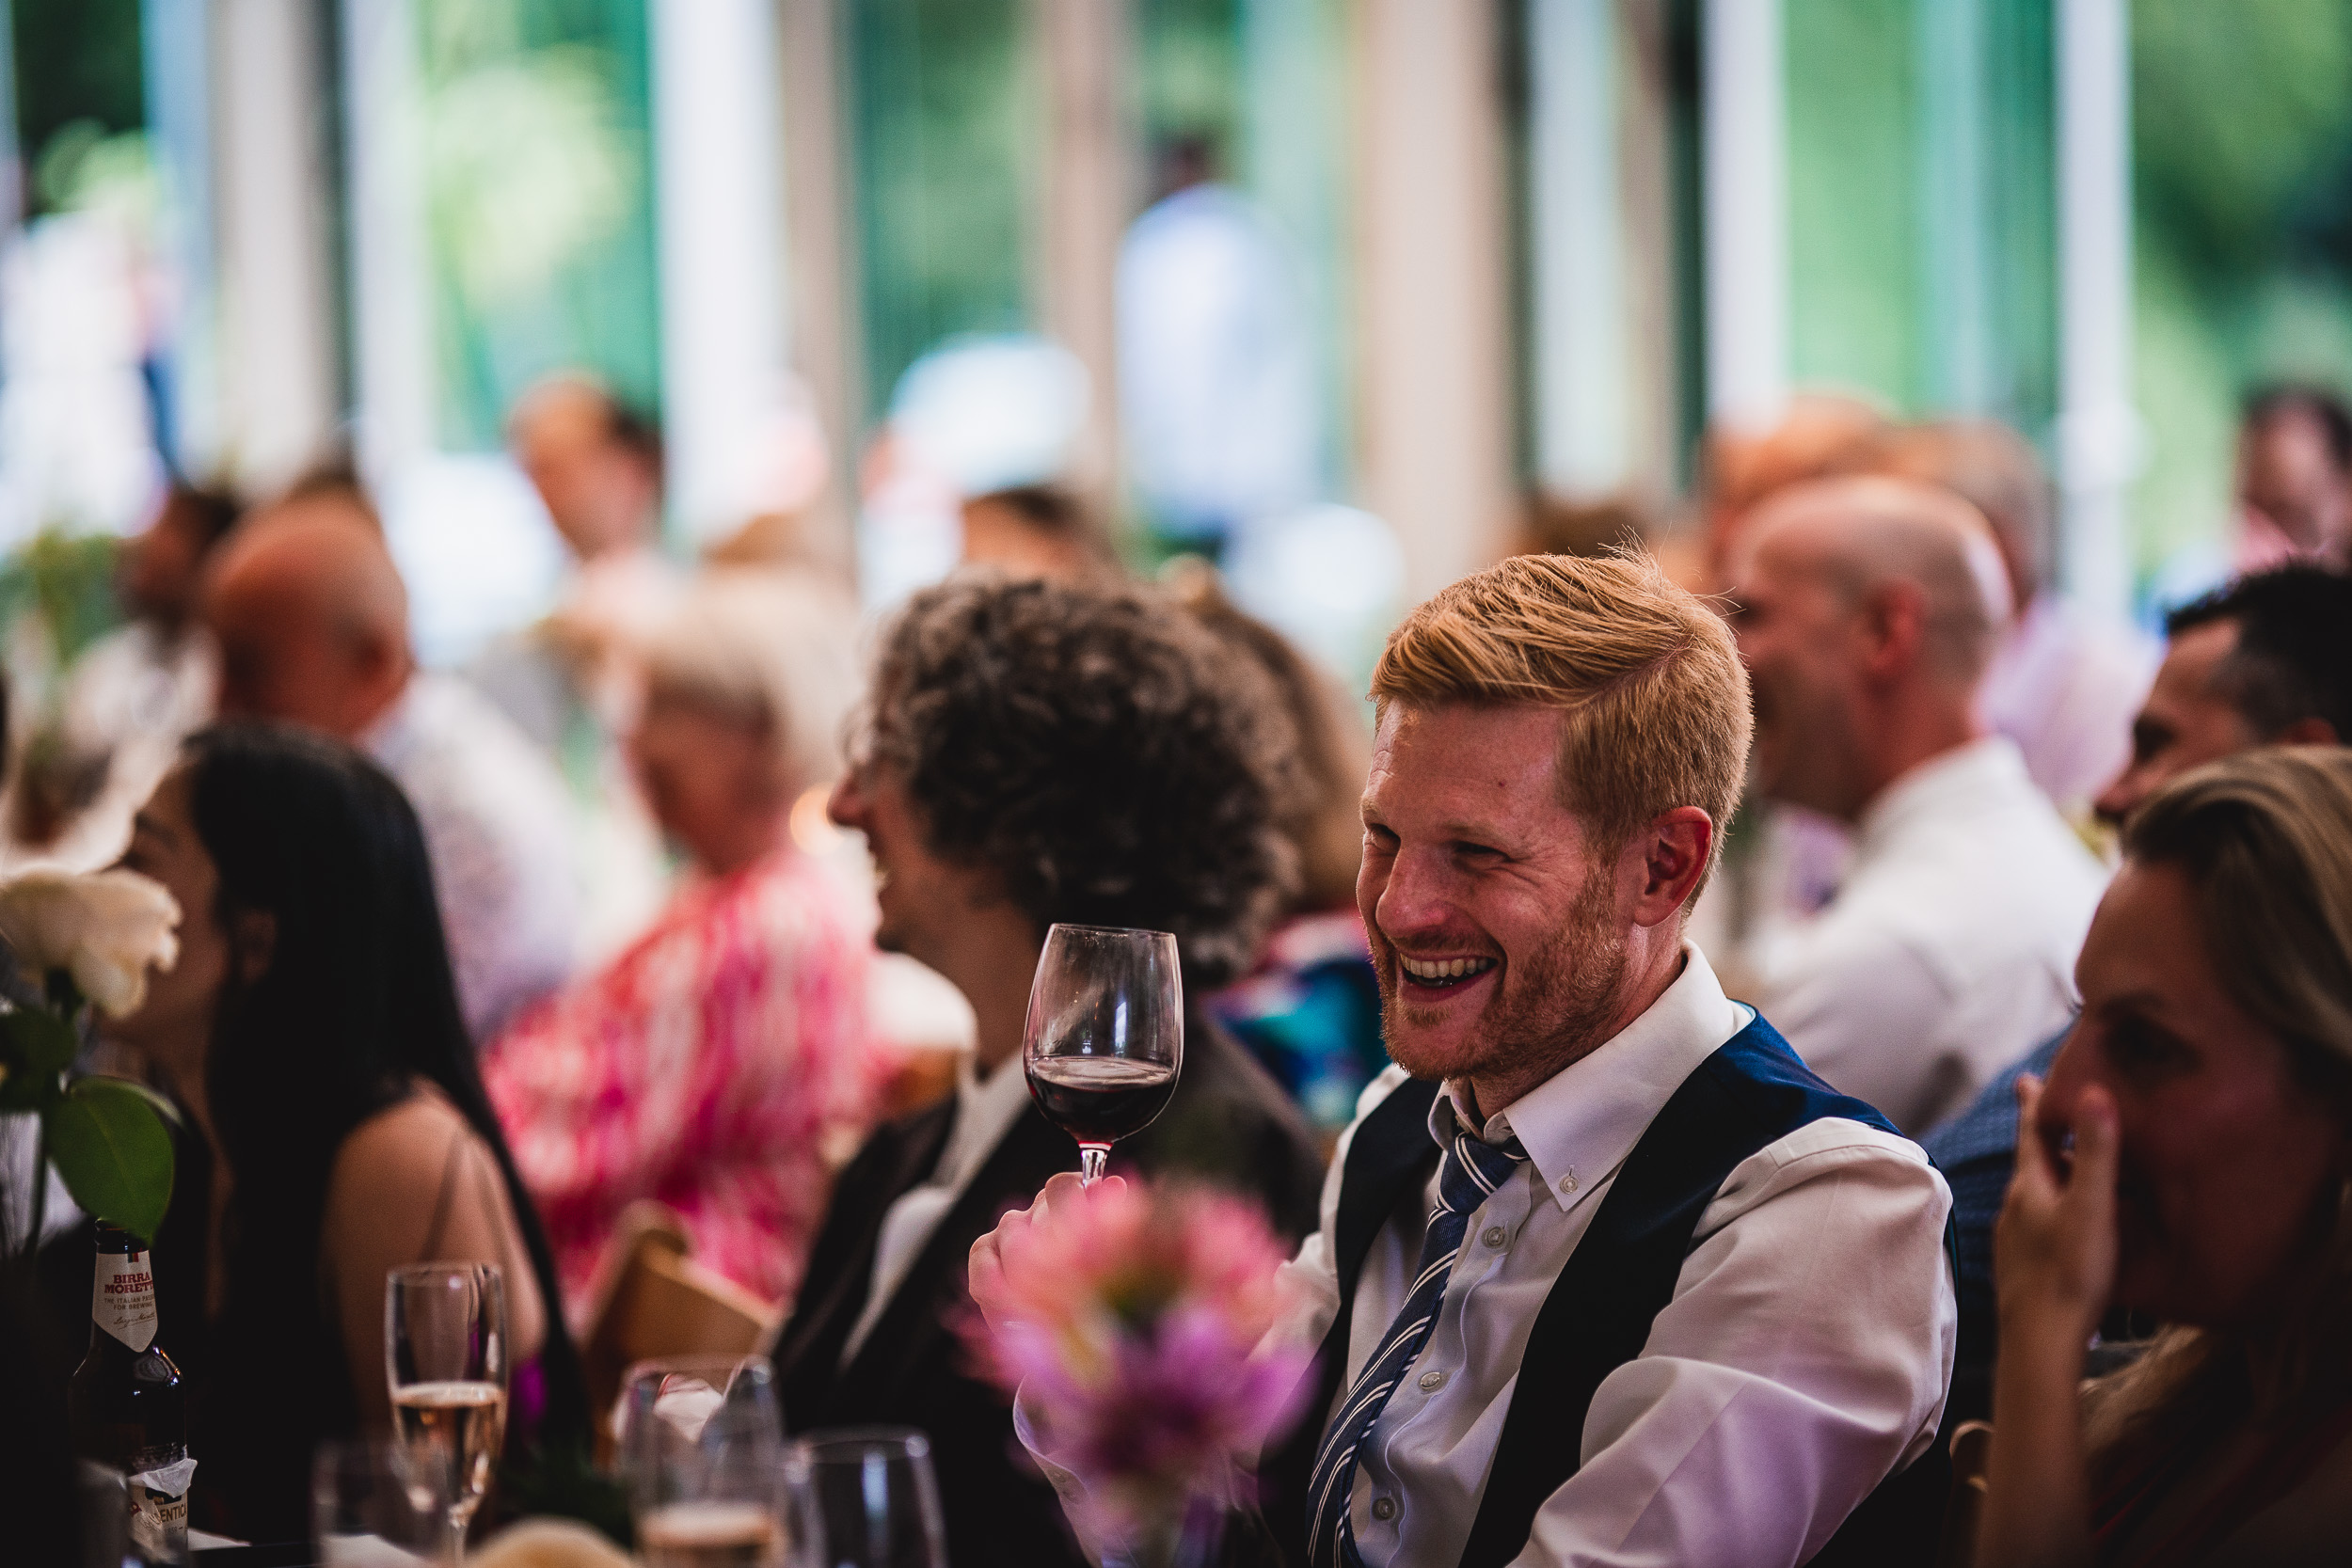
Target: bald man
[[1866, 611], [312, 623], [2062, 683]]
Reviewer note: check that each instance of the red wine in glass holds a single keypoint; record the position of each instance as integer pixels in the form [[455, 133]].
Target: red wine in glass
[[1104, 1039]]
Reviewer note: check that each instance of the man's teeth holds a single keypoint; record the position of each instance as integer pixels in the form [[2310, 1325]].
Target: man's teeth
[[1444, 969]]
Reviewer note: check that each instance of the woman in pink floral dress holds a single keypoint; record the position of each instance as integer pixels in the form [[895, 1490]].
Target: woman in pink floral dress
[[720, 1063]]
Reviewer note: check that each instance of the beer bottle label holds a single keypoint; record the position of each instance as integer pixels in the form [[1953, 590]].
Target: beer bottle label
[[122, 1298]]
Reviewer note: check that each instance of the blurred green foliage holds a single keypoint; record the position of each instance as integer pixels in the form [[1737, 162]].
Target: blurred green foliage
[[534, 122], [2241, 124], [2242, 147], [68, 581], [948, 127], [75, 60], [1189, 63]]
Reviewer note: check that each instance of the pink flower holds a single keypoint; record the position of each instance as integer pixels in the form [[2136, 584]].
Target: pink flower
[[1133, 1338]]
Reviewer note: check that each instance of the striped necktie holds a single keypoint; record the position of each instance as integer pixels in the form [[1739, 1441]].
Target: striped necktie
[[1469, 1171]]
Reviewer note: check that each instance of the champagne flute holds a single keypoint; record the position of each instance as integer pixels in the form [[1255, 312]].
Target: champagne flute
[[445, 1354], [1105, 1038], [866, 1498], [701, 1447]]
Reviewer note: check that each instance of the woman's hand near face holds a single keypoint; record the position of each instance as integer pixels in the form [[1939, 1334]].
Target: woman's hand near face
[[2054, 1250], [2054, 1268]]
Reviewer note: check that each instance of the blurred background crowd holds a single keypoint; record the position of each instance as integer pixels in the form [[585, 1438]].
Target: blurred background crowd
[[550, 397]]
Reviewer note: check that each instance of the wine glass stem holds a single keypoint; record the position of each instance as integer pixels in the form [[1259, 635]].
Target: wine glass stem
[[457, 1517], [1093, 1158]]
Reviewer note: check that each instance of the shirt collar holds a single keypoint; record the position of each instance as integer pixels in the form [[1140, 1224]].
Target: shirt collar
[[1579, 1124], [984, 1112], [1947, 785]]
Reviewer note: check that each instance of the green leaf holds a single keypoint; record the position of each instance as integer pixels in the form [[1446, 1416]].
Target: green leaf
[[113, 1152], [38, 1040]]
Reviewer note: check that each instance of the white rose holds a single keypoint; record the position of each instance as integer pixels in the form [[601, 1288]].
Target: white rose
[[106, 929]]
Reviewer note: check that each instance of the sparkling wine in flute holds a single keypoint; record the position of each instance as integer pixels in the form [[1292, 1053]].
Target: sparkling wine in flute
[[452, 1432], [1100, 1100], [710, 1535]]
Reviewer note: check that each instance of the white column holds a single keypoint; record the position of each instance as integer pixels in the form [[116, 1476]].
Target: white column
[[2099, 430], [1089, 187], [717, 130], [177, 72], [825, 333], [391, 295], [1432, 303], [1745, 131], [1582, 393], [278, 339]]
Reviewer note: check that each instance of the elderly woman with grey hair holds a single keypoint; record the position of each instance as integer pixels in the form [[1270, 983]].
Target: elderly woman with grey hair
[[711, 1062]]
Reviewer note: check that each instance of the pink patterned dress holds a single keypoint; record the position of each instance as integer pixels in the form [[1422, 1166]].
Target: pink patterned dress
[[715, 1065]]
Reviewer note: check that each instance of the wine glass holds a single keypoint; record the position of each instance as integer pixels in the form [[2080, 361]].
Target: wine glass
[[1105, 1038], [701, 1447], [445, 1354], [866, 1498], [369, 1507]]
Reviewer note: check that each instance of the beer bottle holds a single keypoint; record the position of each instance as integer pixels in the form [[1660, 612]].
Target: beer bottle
[[126, 1402]]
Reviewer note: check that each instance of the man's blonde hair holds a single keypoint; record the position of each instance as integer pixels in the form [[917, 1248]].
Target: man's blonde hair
[[1655, 694]]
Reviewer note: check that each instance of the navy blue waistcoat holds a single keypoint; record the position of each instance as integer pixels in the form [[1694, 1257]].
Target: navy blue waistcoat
[[1750, 1094]]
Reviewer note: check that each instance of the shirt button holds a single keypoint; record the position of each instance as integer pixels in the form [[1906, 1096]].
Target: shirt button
[[1495, 1236], [1567, 1183], [1384, 1508], [1432, 1380]]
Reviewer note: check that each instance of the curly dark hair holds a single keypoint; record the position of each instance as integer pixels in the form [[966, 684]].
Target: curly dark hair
[[1108, 757]]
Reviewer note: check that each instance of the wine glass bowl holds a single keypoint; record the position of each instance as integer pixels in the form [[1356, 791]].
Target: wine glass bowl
[[700, 1449], [1104, 1043], [445, 1353], [866, 1498], [371, 1509]]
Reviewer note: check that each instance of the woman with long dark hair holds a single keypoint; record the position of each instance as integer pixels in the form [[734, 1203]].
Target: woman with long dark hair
[[311, 1030]]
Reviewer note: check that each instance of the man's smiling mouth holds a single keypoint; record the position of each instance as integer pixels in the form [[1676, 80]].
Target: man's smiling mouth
[[1439, 974]]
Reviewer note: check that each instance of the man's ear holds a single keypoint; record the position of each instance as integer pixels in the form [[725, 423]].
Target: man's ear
[[1674, 851], [1895, 624], [252, 943]]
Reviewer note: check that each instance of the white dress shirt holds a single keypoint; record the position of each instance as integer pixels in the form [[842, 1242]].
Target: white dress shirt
[[496, 820], [1949, 951], [984, 1113], [1802, 1358], [2066, 687]]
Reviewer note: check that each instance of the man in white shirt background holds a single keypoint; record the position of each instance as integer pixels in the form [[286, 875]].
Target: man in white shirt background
[[2061, 682], [1604, 1275], [311, 619], [1867, 611]]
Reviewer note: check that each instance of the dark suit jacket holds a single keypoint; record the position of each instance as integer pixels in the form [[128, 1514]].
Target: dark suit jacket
[[1228, 1123]]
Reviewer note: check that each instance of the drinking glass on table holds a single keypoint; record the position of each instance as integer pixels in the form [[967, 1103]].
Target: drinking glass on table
[[1105, 1038], [700, 1451], [369, 1507], [864, 1497], [445, 1354]]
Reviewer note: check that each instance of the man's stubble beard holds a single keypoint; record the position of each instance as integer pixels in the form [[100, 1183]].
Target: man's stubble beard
[[1549, 1005]]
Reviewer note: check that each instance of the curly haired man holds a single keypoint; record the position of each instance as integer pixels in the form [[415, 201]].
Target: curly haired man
[[1038, 754]]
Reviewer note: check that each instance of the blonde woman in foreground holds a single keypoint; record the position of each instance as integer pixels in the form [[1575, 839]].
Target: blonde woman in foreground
[[2191, 1159]]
